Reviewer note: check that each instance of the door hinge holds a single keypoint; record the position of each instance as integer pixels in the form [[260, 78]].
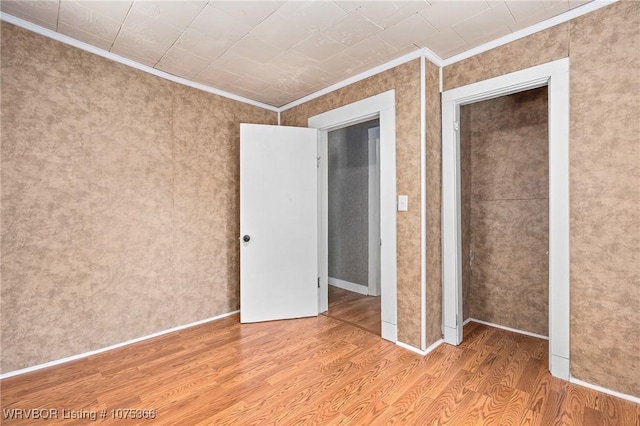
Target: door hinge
[[456, 126], [318, 165], [318, 282]]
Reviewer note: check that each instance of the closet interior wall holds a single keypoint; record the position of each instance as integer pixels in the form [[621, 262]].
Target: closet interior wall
[[504, 165]]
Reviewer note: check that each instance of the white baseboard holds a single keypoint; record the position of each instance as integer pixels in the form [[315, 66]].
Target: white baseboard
[[450, 336], [389, 331], [434, 345], [559, 367], [562, 367], [418, 351], [346, 285], [515, 330], [108, 348], [634, 399]]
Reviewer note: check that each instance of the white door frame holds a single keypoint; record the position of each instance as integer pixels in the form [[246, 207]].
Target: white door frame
[[380, 106], [374, 212], [554, 75]]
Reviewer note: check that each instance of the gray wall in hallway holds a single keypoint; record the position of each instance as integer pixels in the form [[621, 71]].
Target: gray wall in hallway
[[349, 203]]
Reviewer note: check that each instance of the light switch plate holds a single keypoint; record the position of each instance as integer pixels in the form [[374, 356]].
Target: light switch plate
[[403, 203]]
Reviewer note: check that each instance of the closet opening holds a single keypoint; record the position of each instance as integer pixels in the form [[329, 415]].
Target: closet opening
[[504, 212], [554, 78], [353, 194]]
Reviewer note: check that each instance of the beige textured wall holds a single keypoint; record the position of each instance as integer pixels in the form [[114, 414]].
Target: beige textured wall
[[539, 48], [605, 197], [434, 204], [405, 79], [604, 49], [119, 201], [504, 158]]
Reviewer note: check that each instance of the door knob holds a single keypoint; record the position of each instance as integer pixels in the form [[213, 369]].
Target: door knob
[[246, 238]]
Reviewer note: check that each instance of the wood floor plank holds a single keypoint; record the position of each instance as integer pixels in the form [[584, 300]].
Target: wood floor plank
[[515, 409], [356, 309], [316, 371], [374, 395], [540, 391], [476, 414], [413, 392], [529, 376], [497, 373], [618, 412], [454, 396], [592, 417], [515, 368], [495, 405], [572, 408], [553, 407], [480, 372]]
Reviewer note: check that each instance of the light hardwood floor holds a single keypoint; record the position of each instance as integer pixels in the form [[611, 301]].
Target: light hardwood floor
[[356, 309], [317, 371]]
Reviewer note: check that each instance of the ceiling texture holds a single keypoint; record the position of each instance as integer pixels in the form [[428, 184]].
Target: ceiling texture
[[276, 52]]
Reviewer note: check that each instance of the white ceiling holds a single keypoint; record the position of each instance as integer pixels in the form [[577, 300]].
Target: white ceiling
[[275, 52]]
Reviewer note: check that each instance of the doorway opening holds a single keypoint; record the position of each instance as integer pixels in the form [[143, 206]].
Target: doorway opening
[[555, 76], [504, 188], [353, 204], [382, 107]]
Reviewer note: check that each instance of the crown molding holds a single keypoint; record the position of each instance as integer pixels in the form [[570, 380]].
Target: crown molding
[[5, 17], [418, 53], [432, 57], [437, 60], [359, 77], [551, 22]]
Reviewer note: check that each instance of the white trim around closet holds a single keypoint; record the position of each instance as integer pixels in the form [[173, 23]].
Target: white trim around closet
[[554, 75]]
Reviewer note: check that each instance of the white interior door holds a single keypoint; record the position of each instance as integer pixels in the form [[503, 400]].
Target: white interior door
[[278, 222]]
